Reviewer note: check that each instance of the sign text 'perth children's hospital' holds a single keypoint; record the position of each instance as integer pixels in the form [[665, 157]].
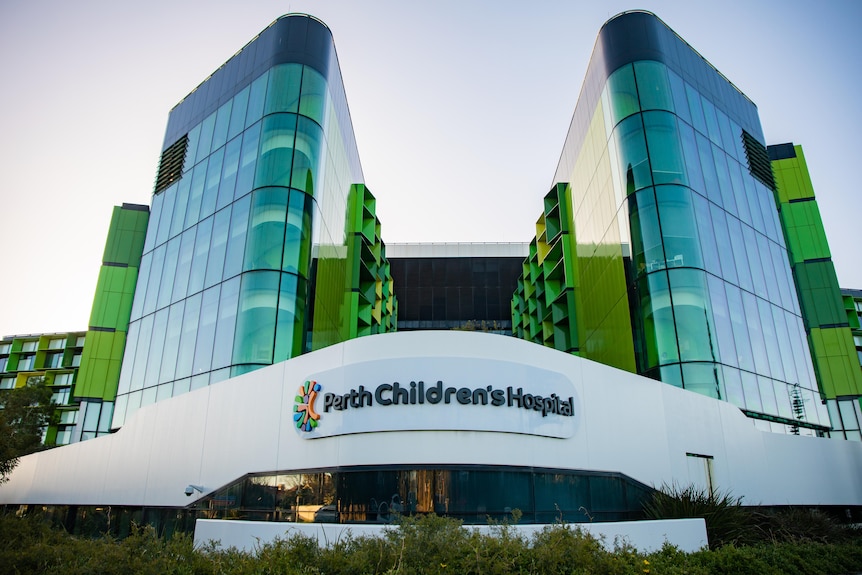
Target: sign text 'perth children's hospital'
[[417, 393]]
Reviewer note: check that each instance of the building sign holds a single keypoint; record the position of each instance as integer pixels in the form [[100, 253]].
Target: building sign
[[435, 394]]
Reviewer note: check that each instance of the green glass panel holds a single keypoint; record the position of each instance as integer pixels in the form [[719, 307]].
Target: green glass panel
[[633, 164], [282, 95], [313, 95], [276, 150], [692, 315], [308, 151], [622, 93], [254, 339], [265, 243], [678, 230], [653, 87]]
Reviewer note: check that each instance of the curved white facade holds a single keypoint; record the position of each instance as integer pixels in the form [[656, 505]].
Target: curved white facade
[[589, 417]]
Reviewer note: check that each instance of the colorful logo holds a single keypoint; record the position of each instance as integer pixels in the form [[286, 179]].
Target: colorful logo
[[304, 415]]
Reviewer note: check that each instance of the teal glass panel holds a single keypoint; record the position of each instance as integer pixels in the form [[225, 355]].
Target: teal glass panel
[[208, 202], [186, 351], [692, 158], [227, 308], [289, 326], [206, 136], [726, 349], [307, 155], [170, 197], [722, 240], [282, 95], [230, 168], [708, 244], [773, 291], [157, 342], [647, 254], [247, 161], [749, 239], [236, 239], [658, 334], [775, 399], [701, 378], [239, 107], [770, 338], [680, 102], [276, 150], [139, 367], [671, 375], [733, 387], [743, 272], [779, 264], [755, 333], [221, 125], [256, 99], [153, 222], [169, 269], [154, 279], [184, 265], [728, 202], [739, 199], [196, 193], [665, 150], [172, 342], [694, 326], [297, 237], [694, 105], [771, 227], [712, 129], [707, 164], [254, 339], [744, 355], [199, 260], [727, 139], [192, 149], [206, 331], [752, 392], [179, 219], [633, 165], [265, 243], [653, 87], [751, 199], [622, 93], [218, 247], [313, 95], [129, 358], [679, 233]]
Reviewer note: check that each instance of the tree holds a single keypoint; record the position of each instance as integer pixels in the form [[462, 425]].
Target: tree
[[25, 412]]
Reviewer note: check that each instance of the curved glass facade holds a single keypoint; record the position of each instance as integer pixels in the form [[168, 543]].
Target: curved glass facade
[[473, 494], [683, 273], [267, 158]]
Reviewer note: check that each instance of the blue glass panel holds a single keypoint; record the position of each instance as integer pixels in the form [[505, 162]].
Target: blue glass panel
[[751, 200], [179, 219], [752, 392], [692, 158], [237, 238], [153, 222], [221, 125], [256, 99], [237, 114], [723, 243], [170, 197], [740, 201], [196, 193], [154, 279], [749, 240], [186, 351], [142, 349], [141, 287], [199, 261], [755, 334], [218, 246], [157, 342], [248, 158], [680, 102], [129, 357], [229, 171], [192, 149], [227, 309], [647, 253], [726, 352], [206, 331], [184, 265], [172, 342], [724, 185], [696, 109], [694, 326], [707, 164], [711, 121], [313, 100], [208, 202], [708, 243], [770, 339], [745, 357], [169, 269], [733, 387], [206, 136]]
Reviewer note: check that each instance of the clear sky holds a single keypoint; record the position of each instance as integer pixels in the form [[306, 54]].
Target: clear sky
[[460, 110]]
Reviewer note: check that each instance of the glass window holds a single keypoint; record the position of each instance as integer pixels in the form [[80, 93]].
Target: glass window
[[785, 348], [206, 331], [782, 399], [184, 264], [192, 148], [256, 99], [724, 185], [297, 237], [226, 325], [283, 92], [154, 279], [169, 269], [755, 333], [215, 263], [229, 171], [173, 331], [157, 342], [312, 98], [751, 200], [751, 391], [206, 136], [170, 196], [141, 288], [178, 221], [653, 87], [213, 178], [52, 361], [711, 121], [740, 201], [221, 125], [622, 93], [693, 318], [694, 105], [658, 334], [25, 362], [692, 158], [707, 164], [752, 253], [680, 103], [770, 338], [276, 150], [186, 351], [266, 232], [307, 156], [255, 331], [153, 222], [633, 165], [708, 244], [199, 261], [647, 254], [237, 237], [290, 324], [665, 151], [238, 111], [196, 193], [734, 229], [725, 249], [248, 158], [141, 353], [738, 320], [733, 387], [700, 378], [677, 219], [7, 383]]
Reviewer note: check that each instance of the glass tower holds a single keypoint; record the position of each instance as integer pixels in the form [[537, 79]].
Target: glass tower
[[249, 210], [680, 270]]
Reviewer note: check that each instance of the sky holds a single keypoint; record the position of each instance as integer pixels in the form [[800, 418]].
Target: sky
[[460, 110]]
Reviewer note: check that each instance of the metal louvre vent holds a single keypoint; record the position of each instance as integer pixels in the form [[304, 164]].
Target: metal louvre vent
[[171, 164], [759, 165]]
